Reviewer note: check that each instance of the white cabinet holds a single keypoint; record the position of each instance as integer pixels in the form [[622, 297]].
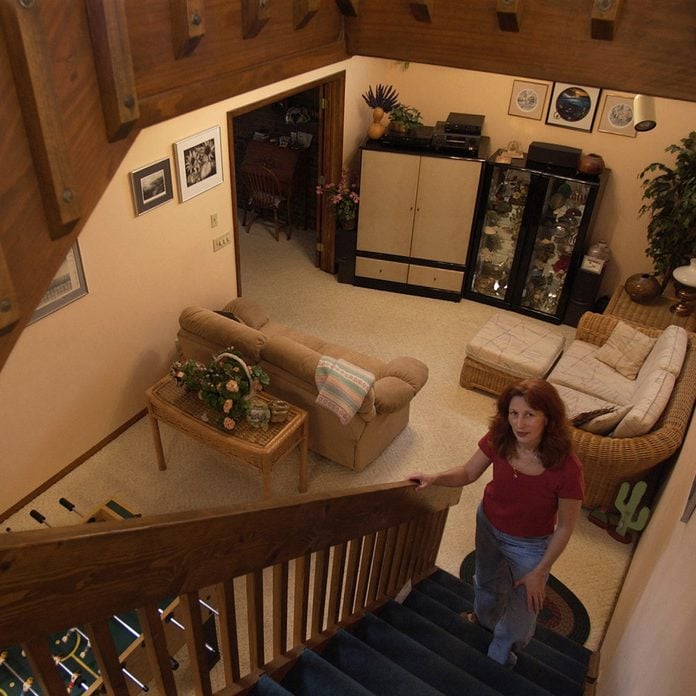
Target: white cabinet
[[417, 211]]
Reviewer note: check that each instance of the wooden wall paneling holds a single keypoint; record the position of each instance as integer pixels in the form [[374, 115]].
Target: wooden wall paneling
[[509, 14], [349, 8], [255, 14], [43, 119], [188, 25], [112, 55], [423, 10], [604, 17], [553, 43], [9, 308], [303, 11]]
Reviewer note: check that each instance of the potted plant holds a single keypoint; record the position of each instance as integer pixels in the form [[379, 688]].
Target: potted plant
[[344, 200], [670, 201], [403, 118]]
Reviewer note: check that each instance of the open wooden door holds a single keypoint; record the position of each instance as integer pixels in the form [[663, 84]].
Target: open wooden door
[[332, 95]]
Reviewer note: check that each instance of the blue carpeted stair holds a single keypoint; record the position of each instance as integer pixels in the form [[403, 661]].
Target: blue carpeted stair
[[424, 647]]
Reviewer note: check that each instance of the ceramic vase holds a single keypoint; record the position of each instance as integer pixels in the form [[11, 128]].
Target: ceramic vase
[[376, 129], [591, 163], [643, 287], [258, 414]]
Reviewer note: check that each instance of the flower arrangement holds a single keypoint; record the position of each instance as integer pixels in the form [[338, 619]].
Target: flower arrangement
[[225, 386], [343, 197]]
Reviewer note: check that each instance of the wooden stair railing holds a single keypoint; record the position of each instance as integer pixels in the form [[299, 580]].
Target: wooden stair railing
[[282, 574]]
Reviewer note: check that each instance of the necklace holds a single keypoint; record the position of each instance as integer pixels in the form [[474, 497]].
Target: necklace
[[529, 458]]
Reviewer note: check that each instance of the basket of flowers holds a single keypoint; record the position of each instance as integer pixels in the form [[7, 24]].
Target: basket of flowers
[[227, 385]]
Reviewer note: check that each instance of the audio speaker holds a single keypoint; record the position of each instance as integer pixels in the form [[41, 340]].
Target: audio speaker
[[549, 154]]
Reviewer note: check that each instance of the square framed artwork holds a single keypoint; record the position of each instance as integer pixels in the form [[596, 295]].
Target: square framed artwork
[[67, 285], [152, 186], [616, 115], [198, 162], [573, 106], [528, 99]]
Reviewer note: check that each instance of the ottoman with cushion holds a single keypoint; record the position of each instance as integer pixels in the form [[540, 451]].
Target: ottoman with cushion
[[506, 349]]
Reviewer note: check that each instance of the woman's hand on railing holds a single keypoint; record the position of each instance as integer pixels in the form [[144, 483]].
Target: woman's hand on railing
[[421, 480]]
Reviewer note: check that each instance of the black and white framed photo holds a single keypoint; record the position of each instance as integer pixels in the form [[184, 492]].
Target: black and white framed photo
[[617, 115], [67, 285], [198, 162], [528, 99], [573, 106], [152, 186]]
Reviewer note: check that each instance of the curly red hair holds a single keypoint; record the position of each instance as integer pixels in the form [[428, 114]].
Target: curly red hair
[[556, 443]]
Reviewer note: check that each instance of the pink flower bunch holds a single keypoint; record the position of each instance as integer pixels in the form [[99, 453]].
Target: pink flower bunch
[[343, 196]]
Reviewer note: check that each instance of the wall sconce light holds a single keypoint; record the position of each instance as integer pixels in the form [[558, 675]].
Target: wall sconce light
[[643, 113]]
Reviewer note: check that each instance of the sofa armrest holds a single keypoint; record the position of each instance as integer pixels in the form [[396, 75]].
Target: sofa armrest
[[212, 328], [596, 328], [410, 370]]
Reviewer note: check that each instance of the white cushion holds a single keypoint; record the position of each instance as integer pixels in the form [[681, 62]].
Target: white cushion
[[515, 345], [577, 403], [668, 353], [579, 370], [649, 403], [625, 350]]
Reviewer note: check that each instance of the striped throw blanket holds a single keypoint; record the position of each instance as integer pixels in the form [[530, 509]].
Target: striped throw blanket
[[342, 386]]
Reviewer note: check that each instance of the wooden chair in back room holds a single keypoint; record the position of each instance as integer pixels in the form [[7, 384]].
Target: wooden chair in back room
[[264, 195]]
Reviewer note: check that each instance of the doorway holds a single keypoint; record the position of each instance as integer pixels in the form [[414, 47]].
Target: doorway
[[309, 121]]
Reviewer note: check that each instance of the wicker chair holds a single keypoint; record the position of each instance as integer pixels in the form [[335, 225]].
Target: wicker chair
[[609, 461]]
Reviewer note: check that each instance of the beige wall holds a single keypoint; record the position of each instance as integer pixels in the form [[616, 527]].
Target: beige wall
[[76, 375], [648, 648]]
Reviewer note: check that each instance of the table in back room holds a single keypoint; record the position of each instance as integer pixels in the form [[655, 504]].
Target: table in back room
[[256, 447]]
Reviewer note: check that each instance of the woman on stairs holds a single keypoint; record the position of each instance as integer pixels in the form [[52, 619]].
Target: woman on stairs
[[528, 512]]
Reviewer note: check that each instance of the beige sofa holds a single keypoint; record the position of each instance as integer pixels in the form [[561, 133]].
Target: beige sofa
[[290, 358], [650, 411]]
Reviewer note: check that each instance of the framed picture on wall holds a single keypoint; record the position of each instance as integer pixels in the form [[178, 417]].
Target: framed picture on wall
[[198, 162], [528, 99], [152, 186], [67, 285], [617, 115], [573, 106]]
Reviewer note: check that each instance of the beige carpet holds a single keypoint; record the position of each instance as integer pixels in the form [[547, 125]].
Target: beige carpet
[[446, 420]]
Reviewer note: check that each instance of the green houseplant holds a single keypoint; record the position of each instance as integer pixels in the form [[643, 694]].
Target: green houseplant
[[403, 118], [670, 201]]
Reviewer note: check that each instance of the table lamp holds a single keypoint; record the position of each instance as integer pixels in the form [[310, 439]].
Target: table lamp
[[685, 285]]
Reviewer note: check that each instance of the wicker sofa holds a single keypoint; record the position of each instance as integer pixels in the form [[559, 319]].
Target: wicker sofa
[[608, 461]]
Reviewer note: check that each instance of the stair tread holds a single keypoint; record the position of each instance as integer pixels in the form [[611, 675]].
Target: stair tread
[[420, 661], [312, 675], [265, 686], [373, 670], [528, 666], [544, 652], [558, 641], [459, 653]]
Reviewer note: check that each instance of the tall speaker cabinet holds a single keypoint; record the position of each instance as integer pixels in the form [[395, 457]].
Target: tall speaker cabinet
[[416, 215]]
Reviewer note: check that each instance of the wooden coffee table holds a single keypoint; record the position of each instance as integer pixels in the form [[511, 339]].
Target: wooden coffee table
[[261, 449]]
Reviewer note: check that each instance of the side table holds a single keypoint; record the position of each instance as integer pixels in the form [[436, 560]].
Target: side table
[[655, 314], [261, 449]]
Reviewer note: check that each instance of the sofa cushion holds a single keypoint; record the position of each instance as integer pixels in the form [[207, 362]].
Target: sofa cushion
[[578, 369], [625, 350], [648, 404], [577, 403], [248, 311], [222, 332], [668, 353]]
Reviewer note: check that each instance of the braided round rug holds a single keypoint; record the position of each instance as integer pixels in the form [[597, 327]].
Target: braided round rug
[[562, 612]]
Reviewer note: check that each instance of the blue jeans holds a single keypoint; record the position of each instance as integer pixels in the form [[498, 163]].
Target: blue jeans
[[501, 559]]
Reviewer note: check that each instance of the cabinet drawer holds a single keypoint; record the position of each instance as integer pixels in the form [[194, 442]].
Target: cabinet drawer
[[381, 270], [439, 278]]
